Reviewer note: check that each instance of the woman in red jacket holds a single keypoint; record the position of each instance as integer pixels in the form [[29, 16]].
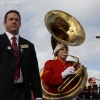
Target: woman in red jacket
[[55, 71]]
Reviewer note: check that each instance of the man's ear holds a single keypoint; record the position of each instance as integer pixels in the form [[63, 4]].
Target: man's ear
[[4, 23]]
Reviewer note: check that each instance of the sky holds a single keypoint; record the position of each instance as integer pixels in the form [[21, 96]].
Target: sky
[[33, 27]]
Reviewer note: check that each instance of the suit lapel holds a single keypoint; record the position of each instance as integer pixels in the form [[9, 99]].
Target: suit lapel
[[7, 43]]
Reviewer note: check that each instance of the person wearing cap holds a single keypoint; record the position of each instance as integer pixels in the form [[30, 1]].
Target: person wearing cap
[[55, 71], [92, 81]]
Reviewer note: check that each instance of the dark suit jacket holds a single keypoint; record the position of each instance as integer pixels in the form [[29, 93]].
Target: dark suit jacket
[[28, 64]]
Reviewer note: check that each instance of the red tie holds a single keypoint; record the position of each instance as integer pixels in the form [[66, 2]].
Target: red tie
[[15, 48]]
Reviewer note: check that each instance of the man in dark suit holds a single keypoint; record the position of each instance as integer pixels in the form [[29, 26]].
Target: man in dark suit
[[19, 72]]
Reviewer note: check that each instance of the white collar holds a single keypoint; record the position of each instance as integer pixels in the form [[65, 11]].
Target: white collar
[[11, 35]]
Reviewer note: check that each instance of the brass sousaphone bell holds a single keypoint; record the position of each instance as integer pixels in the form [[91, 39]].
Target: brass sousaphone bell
[[66, 29]]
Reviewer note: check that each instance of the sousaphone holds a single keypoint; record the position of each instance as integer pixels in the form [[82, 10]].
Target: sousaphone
[[66, 29]]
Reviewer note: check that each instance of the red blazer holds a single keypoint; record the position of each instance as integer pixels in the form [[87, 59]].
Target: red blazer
[[51, 76]]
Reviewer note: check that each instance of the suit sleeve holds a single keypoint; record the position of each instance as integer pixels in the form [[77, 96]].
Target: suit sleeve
[[49, 77], [35, 76]]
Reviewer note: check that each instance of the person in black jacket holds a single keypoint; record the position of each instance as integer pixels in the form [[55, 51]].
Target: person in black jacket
[[18, 63]]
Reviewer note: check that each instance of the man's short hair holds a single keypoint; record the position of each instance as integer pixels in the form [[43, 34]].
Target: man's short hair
[[11, 11]]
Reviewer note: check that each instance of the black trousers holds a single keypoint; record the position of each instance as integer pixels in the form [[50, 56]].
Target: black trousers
[[19, 93]]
